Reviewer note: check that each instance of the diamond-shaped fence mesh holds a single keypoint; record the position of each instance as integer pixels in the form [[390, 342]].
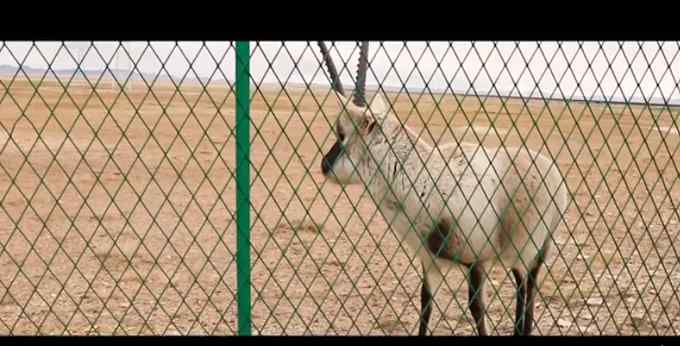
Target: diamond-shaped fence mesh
[[118, 187]]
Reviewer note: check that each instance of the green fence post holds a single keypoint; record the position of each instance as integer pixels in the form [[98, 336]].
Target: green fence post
[[243, 187]]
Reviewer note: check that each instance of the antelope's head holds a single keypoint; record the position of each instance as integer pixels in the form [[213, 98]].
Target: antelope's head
[[354, 126]]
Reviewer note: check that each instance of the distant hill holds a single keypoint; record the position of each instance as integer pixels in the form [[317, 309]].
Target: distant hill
[[121, 75], [92, 75]]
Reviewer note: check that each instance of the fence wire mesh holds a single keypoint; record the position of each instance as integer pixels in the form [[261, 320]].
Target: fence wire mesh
[[118, 192]]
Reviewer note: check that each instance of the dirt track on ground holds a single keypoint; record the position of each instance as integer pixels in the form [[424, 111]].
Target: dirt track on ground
[[134, 234]]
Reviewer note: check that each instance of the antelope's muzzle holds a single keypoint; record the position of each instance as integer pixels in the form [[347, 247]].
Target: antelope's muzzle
[[330, 157]]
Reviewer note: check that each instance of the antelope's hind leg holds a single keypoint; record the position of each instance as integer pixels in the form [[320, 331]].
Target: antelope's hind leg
[[531, 294]]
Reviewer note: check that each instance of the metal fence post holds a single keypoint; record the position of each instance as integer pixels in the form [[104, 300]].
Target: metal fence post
[[243, 186]]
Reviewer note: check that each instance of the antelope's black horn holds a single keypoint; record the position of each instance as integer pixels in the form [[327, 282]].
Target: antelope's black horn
[[335, 78], [360, 89]]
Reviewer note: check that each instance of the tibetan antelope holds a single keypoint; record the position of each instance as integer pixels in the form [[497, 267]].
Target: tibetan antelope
[[453, 204]]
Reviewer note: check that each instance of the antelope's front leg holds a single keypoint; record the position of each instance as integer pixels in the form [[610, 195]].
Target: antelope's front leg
[[425, 305], [476, 296], [520, 305]]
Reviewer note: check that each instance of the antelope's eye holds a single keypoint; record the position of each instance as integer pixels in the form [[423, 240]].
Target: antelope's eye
[[341, 134]]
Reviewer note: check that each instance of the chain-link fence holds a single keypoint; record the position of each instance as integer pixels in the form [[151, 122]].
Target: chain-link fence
[[119, 170]]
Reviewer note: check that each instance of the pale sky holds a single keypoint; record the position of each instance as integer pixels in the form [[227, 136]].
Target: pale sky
[[517, 69]]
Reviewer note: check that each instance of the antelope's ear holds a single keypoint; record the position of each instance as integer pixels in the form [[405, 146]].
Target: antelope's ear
[[367, 124], [341, 99], [378, 105], [356, 113]]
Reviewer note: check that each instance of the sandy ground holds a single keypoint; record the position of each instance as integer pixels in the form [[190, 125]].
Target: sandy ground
[[122, 226]]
